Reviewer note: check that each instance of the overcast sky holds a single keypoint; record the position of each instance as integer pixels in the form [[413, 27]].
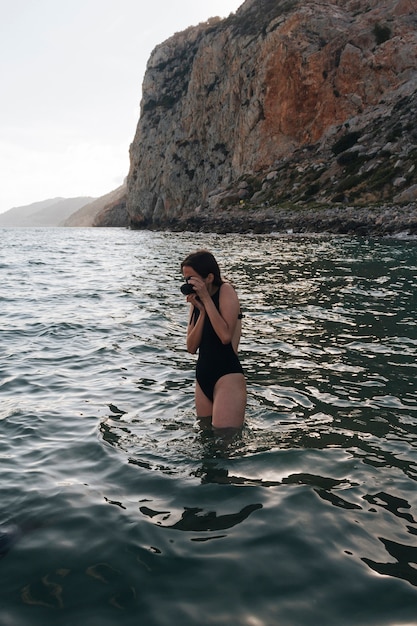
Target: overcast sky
[[70, 84]]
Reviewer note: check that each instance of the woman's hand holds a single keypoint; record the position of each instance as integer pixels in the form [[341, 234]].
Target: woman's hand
[[200, 289], [194, 299]]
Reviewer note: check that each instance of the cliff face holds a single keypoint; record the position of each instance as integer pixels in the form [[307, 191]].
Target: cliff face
[[262, 106]]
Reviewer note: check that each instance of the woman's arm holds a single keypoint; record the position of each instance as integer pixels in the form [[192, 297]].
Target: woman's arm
[[195, 327], [225, 321]]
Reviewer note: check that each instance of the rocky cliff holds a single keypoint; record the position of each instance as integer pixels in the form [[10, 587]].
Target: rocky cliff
[[284, 104]]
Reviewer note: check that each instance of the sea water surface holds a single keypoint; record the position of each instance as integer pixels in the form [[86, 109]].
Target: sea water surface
[[117, 507]]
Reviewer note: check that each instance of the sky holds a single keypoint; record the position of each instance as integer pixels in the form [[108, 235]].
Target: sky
[[71, 73]]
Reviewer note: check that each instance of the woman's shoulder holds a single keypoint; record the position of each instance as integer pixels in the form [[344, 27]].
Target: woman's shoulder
[[227, 290]]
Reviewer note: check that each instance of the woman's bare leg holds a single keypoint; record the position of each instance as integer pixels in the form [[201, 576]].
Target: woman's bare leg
[[229, 401], [203, 406]]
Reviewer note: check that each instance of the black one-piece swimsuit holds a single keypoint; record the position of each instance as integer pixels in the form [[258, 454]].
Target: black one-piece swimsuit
[[215, 359]]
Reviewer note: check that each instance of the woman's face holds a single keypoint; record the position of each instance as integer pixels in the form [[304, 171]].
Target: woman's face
[[188, 272]]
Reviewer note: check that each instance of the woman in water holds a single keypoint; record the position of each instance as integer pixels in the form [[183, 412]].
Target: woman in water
[[214, 330]]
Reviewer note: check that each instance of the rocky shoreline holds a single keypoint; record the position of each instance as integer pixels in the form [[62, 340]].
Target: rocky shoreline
[[381, 221]]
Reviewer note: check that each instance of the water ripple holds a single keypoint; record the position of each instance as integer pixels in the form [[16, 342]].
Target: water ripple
[[116, 490]]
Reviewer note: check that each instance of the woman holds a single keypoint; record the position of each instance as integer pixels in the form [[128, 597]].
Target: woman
[[214, 330]]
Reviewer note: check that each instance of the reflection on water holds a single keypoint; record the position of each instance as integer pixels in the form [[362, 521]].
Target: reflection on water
[[314, 498], [196, 520], [405, 565]]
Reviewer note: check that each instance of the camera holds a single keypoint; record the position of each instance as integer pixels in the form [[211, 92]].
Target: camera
[[186, 289]]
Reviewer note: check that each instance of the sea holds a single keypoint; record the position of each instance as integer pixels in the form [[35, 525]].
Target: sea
[[119, 508]]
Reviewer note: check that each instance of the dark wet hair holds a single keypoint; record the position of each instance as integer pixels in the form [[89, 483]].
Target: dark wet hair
[[204, 263]]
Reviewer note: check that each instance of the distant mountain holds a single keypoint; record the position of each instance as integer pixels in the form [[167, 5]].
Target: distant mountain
[[50, 212], [108, 210]]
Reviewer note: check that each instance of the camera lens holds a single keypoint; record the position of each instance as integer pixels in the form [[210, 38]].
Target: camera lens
[[186, 289]]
